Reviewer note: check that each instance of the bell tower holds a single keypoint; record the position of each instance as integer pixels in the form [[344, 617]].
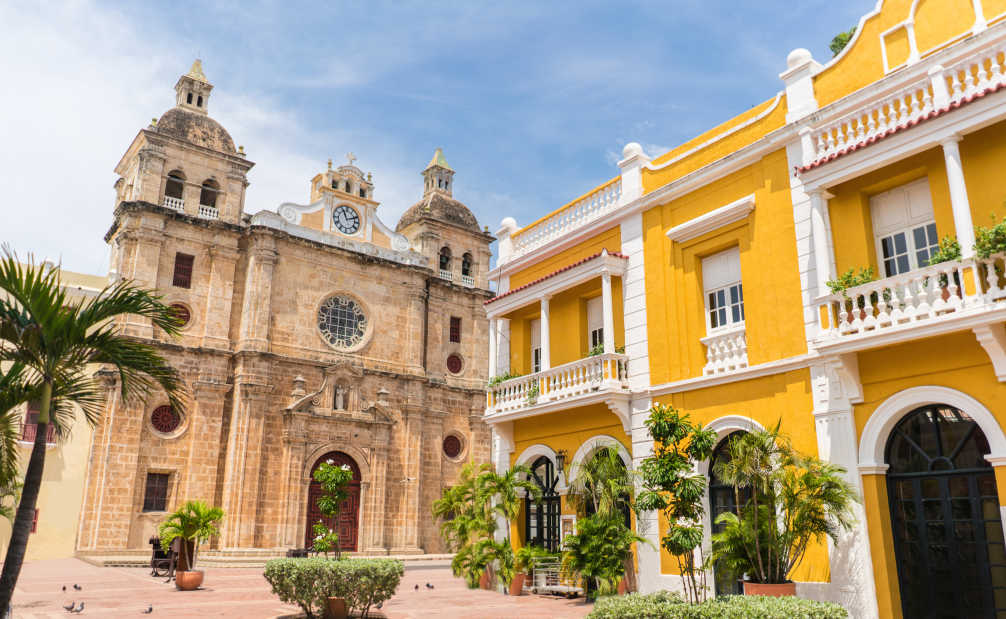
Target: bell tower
[[192, 90], [438, 175]]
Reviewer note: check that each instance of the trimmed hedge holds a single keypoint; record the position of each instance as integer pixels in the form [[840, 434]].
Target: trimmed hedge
[[664, 605], [309, 582]]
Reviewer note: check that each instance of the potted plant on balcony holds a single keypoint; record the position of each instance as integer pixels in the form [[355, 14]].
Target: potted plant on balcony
[[851, 279], [795, 500], [193, 523]]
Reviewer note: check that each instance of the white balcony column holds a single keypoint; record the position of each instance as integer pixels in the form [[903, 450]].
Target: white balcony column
[[959, 196], [493, 343], [821, 232], [607, 313], [546, 344]]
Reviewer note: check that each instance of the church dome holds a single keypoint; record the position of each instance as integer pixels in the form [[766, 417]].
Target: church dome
[[436, 205], [198, 129]]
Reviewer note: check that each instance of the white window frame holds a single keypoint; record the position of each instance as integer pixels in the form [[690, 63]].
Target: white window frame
[[535, 345], [721, 273], [595, 322], [904, 210]]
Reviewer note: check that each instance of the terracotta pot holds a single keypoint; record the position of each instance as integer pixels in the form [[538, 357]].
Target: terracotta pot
[[623, 588], [336, 609], [517, 585], [189, 580], [484, 580], [785, 589]]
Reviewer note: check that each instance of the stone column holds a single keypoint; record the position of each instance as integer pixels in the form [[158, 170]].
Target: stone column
[[607, 313], [546, 343], [97, 467], [219, 295], [821, 231], [378, 472], [143, 247], [959, 202], [407, 539], [242, 464], [202, 438], [256, 309]]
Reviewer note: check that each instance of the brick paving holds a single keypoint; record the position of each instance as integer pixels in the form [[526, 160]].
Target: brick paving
[[242, 592]]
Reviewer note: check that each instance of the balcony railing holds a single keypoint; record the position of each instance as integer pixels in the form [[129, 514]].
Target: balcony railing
[[943, 88], [468, 280], [175, 204], [726, 351], [601, 201], [29, 430], [926, 296], [445, 274], [605, 371], [208, 212]]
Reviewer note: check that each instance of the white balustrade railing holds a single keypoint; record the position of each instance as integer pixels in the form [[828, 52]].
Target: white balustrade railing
[[599, 202], [468, 280], [943, 88], [559, 383], [926, 295], [175, 204], [208, 212], [445, 274], [726, 351]]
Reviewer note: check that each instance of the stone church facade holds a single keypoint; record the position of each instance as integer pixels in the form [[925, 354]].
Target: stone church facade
[[314, 332]]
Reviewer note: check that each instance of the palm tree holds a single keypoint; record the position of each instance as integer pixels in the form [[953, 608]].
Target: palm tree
[[504, 488], [194, 522], [54, 340]]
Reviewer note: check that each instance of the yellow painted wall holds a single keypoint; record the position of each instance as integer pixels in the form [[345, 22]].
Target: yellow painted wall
[[956, 361], [569, 430], [568, 339], [674, 303], [784, 397], [609, 239], [982, 155]]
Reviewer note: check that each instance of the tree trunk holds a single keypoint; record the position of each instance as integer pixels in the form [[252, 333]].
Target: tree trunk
[[26, 508]]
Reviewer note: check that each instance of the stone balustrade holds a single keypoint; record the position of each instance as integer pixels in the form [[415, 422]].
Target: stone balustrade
[[604, 371], [587, 209], [208, 212], [726, 351], [468, 280], [445, 274], [175, 204], [941, 89], [924, 296]]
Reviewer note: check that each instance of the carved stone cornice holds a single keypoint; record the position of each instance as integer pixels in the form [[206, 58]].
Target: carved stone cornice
[[254, 391], [210, 388]]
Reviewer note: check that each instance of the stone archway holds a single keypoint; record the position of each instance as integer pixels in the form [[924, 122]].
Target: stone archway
[[347, 523]]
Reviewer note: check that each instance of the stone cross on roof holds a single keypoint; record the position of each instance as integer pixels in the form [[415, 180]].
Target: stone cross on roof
[[350, 157]]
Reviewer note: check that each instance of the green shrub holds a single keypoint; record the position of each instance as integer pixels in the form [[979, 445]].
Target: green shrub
[[851, 279], [664, 605], [309, 582], [989, 241]]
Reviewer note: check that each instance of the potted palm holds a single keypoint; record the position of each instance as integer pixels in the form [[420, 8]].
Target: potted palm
[[523, 562], [795, 500], [193, 523]]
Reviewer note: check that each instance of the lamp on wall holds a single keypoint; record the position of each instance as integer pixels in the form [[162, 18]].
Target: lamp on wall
[[560, 459]]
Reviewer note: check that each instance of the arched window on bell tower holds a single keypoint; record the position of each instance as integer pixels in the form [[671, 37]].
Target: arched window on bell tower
[[466, 265], [445, 258], [208, 194]]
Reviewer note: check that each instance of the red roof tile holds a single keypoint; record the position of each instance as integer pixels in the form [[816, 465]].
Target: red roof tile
[[556, 272]]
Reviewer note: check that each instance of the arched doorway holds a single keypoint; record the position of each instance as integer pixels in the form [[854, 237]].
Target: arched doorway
[[541, 521], [945, 518], [347, 523], [722, 499]]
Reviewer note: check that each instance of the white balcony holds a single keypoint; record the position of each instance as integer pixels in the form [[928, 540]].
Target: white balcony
[[445, 274], [175, 204], [726, 351], [468, 280], [581, 382], [208, 212], [960, 294], [577, 214]]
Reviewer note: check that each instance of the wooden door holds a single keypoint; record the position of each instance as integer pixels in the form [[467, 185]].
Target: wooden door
[[347, 523]]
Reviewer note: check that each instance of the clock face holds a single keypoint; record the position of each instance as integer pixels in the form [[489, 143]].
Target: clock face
[[346, 220]]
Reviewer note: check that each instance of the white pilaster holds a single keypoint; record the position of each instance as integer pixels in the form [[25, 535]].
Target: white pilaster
[[823, 245], [493, 343], [959, 196], [505, 248], [799, 80], [607, 311], [634, 304], [632, 163], [546, 343]]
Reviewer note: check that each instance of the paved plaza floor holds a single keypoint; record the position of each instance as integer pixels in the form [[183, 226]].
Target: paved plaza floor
[[243, 592]]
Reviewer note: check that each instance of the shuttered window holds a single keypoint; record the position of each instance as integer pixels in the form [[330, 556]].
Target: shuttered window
[[183, 270]]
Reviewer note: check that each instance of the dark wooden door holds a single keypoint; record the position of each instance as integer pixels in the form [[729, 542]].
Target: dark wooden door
[[347, 523]]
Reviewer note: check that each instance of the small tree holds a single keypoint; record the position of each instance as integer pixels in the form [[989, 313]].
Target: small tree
[[840, 41], [194, 522], [598, 551], [334, 482], [672, 486]]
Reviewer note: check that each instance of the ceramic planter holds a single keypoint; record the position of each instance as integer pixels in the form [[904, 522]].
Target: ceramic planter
[[772, 590], [517, 584], [189, 580], [484, 581], [336, 609]]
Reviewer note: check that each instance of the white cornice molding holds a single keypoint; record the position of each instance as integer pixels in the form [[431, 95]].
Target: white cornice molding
[[754, 371], [716, 218]]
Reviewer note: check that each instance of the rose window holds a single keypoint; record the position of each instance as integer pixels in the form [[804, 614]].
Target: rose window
[[165, 419], [342, 322], [452, 446]]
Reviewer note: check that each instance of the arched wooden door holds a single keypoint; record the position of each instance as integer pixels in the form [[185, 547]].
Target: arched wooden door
[[347, 523], [948, 535], [722, 498]]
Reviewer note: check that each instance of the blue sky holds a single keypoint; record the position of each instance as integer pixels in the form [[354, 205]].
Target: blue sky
[[532, 102]]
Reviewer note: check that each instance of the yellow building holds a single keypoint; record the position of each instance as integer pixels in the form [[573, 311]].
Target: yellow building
[[699, 279], [57, 513]]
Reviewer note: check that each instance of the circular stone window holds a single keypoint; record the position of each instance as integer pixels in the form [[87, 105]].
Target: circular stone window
[[452, 446], [181, 313], [165, 420], [454, 364], [342, 322]]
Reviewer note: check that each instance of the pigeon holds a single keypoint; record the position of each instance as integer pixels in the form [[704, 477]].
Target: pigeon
[[149, 610], [79, 609], [70, 605], [78, 587], [379, 605], [417, 587], [429, 586], [64, 588]]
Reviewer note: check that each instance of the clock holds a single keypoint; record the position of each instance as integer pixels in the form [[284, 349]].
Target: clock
[[346, 220]]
